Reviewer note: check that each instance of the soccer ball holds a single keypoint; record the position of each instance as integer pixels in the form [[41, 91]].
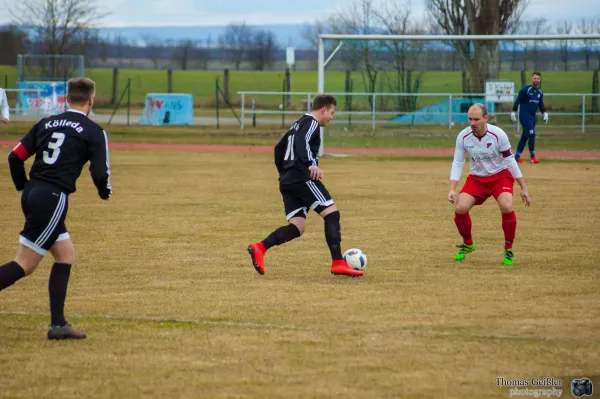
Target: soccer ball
[[355, 258]]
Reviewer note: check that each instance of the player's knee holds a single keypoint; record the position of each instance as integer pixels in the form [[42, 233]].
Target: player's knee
[[505, 203], [527, 132], [333, 217], [300, 224], [462, 207], [324, 211], [464, 203], [27, 264], [67, 258], [506, 207], [63, 253]]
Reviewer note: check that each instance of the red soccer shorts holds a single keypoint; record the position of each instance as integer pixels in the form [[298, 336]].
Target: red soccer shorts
[[481, 188]]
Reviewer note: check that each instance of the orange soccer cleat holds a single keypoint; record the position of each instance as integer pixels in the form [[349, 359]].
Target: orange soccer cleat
[[519, 160], [257, 253], [534, 160], [340, 267]]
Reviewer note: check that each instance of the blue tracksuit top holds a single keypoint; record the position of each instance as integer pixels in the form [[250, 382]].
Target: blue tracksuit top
[[530, 99]]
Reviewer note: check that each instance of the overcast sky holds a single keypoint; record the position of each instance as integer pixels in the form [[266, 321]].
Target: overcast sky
[[260, 12]]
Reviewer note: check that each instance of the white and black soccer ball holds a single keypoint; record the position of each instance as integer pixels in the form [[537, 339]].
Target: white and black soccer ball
[[355, 258]]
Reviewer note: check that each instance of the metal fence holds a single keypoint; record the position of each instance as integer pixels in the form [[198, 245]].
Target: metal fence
[[572, 110]]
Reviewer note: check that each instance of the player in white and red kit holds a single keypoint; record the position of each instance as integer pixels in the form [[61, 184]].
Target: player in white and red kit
[[493, 172]]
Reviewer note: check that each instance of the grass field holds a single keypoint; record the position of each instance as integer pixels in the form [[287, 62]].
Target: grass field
[[165, 290], [202, 85], [431, 137]]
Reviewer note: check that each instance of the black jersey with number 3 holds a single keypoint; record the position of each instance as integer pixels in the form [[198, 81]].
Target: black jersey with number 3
[[62, 145], [298, 150]]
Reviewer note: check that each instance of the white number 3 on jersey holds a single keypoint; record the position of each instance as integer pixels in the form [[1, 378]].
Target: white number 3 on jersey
[[51, 155]]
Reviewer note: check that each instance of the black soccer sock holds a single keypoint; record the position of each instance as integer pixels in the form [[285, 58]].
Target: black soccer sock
[[57, 288], [281, 236], [333, 234], [532, 146], [10, 273]]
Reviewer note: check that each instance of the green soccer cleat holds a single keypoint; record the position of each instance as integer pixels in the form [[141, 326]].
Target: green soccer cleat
[[508, 257], [464, 250]]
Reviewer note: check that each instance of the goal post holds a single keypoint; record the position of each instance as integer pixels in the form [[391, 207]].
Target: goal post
[[42, 80], [323, 61]]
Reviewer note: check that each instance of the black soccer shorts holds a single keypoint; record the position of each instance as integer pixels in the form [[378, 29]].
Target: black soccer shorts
[[299, 197], [45, 209]]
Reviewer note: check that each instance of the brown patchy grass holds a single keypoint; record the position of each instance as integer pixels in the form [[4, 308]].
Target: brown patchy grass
[[564, 138], [164, 287]]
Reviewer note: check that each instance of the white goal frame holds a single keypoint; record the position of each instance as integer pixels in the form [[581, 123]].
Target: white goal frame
[[322, 62]]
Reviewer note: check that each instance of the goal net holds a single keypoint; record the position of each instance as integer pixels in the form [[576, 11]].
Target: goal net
[[42, 82]]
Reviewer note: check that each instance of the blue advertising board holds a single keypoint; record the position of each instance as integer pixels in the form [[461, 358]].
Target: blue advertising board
[[52, 98], [168, 109]]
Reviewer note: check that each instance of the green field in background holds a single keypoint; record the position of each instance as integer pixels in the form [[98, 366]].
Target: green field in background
[[201, 84]]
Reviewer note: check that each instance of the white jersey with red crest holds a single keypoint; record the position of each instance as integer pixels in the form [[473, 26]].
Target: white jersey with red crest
[[489, 154]]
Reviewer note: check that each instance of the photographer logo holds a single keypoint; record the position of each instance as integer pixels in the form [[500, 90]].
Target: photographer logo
[[582, 387]]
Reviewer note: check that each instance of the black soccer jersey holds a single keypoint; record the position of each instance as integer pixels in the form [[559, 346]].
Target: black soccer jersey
[[298, 150], [62, 145]]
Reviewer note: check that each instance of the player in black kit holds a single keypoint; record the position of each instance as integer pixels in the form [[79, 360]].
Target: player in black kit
[[300, 185], [62, 145]]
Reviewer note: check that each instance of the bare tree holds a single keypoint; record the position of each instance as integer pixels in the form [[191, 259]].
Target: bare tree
[[359, 18], [120, 44], [477, 17], [234, 42], [155, 48], [513, 29], [87, 43], [564, 28], [537, 26], [310, 34], [57, 23], [262, 51], [104, 49], [191, 54], [184, 52], [588, 26], [203, 53], [14, 42], [395, 19], [382, 64]]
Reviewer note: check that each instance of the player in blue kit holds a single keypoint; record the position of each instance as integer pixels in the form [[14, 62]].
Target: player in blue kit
[[529, 99]]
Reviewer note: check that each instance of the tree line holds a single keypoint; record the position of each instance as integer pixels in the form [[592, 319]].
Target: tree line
[[238, 43]]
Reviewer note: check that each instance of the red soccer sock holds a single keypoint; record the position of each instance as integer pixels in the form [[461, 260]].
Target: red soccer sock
[[509, 225], [463, 223]]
